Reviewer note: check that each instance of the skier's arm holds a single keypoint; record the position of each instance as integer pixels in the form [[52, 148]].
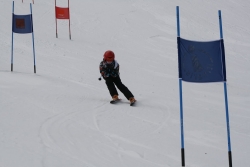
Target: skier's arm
[[117, 69], [102, 69]]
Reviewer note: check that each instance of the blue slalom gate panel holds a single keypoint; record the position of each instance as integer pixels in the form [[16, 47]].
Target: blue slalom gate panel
[[22, 24], [201, 61]]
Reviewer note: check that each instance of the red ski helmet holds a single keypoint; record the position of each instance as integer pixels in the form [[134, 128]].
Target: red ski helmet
[[109, 55]]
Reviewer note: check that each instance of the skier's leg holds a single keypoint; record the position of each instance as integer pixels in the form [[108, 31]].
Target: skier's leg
[[111, 87], [123, 88]]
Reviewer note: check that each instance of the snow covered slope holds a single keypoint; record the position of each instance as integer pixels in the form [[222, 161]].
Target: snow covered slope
[[61, 116]]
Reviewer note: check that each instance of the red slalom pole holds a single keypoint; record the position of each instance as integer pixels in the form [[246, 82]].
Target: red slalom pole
[[69, 23], [56, 20]]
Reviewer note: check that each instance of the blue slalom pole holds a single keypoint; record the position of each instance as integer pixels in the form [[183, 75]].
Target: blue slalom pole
[[12, 36], [220, 22], [226, 101], [33, 39], [180, 90], [178, 21]]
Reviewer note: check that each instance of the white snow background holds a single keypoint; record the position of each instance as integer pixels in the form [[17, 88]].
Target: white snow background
[[61, 116]]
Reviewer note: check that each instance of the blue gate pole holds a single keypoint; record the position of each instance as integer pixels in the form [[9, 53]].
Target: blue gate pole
[[12, 37], [226, 101], [33, 39], [180, 90]]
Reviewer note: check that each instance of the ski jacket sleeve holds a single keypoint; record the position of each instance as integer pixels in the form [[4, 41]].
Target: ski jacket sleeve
[[102, 69]]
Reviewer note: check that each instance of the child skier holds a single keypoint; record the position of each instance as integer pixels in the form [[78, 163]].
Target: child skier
[[109, 69]]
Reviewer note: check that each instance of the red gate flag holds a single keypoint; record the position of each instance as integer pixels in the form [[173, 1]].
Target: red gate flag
[[62, 13]]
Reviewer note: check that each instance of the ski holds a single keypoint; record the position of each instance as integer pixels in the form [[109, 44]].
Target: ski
[[131, 104], [114, 101]]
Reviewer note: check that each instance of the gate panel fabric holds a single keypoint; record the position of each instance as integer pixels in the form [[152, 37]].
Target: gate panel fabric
[[22, 24], [62, 13], [201, 61]]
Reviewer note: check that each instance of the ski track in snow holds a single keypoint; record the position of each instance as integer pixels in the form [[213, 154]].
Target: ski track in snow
[[54, 130]]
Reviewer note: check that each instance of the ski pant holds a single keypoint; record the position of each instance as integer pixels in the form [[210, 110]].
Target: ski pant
[[112, 81]]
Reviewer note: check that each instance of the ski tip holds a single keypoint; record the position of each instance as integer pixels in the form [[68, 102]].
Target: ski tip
[[132, 104]]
